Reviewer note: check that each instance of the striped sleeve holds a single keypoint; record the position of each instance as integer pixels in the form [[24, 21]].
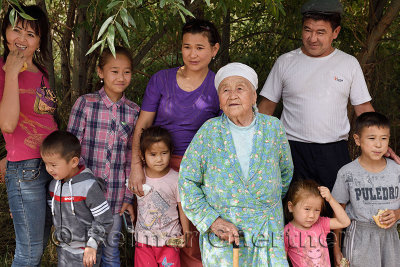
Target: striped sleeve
[[100, 209], [50, 193], [103, 219]]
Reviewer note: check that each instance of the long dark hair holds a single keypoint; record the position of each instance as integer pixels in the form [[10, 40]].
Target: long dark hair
[[40, 26]]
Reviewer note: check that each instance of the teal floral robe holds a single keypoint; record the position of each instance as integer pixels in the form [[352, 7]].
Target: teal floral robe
[[211, 185]]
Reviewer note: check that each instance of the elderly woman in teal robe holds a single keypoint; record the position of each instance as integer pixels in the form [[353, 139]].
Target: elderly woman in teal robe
[[234, 174]]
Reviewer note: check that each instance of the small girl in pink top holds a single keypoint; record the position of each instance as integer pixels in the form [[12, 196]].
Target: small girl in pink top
[[305, 234], [158, 220]]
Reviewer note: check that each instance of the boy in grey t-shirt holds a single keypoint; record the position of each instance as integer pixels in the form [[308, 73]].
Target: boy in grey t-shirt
[[364, 186]]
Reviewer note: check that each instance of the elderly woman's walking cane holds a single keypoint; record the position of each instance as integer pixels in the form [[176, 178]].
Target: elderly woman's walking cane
[[236, 251], [235, 255]]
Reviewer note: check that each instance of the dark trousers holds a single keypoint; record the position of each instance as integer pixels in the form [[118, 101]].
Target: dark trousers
[[319, 162]]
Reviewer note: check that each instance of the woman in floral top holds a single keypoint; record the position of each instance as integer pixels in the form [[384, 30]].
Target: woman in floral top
[[234, 174]]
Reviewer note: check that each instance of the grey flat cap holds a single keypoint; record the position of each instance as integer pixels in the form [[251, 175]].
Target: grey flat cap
[[322, 7]]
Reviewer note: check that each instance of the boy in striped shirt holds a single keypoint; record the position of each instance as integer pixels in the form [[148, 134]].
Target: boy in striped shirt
[[81, 214]]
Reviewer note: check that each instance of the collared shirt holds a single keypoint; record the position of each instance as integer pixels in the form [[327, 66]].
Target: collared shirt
[[104, 129]]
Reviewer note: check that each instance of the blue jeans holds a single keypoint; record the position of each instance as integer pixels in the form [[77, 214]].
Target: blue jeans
[[26, 183], [110, 256]]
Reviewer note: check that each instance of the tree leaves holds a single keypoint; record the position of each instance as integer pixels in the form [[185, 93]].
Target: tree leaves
[[12, 17], [122, 33], [94, 47], [185, 11], [119, 15], [131, 21], [25, 16], [113, 4], [104, 26], [17, 11], [110, 39], [124, 16]]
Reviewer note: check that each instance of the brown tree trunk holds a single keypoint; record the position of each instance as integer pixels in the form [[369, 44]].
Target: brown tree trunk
[[377, 28], [225, 40], [376, 8], [91, 71], [65, 51], [196, 7], [147, 47], [49, 64], [81, 46], [380, 18]]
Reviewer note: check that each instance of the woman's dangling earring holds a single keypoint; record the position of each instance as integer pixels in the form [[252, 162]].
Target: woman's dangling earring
[[101, 80], [213, 58], [38, 50]]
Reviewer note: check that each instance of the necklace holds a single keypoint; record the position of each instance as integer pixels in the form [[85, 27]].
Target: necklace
[[181, 69]]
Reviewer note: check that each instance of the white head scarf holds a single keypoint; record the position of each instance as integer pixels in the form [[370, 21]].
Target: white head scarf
[[236, 69]]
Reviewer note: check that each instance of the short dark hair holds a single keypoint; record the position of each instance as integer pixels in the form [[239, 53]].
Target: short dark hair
[[202, 26], [334, 19], [368, 119], [63, 143], [41, 28], [155, 134]]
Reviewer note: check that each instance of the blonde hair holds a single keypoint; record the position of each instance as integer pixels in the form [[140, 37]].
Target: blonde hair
[[300, 190]]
